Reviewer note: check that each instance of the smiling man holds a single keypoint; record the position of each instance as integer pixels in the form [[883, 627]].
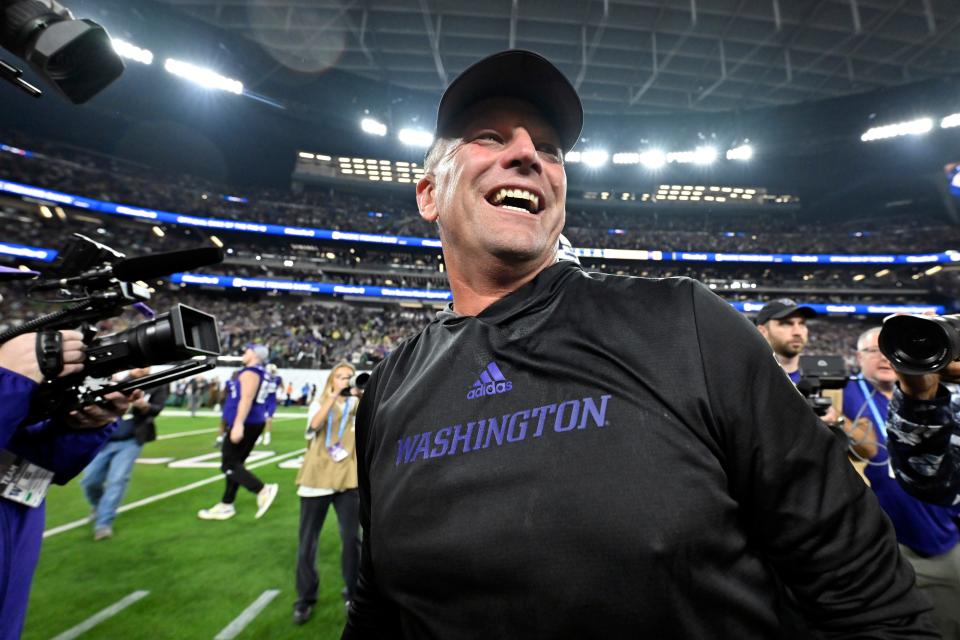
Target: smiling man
[[571, 455]]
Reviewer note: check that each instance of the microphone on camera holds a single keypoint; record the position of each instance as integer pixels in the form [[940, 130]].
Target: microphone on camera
[[162, 264], [142, 267]]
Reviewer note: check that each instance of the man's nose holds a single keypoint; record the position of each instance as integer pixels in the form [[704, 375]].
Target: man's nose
[[521, 153]]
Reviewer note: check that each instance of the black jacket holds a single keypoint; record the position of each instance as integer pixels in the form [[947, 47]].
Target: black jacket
[[595, 456], [144, 422]]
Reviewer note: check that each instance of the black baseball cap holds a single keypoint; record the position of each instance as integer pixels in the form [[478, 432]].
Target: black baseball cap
[[781, 308], [516, 74]]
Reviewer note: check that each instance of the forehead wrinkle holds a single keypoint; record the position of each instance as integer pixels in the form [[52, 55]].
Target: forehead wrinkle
[[496, 112]]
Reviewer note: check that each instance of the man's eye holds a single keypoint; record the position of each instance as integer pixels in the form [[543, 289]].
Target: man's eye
[[489, 135], [551, 151]]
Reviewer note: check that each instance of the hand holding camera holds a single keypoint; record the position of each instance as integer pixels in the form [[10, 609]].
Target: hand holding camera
[[20, 355], [924, 351]]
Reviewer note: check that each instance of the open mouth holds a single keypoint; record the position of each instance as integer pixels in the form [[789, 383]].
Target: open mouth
[[517, 199]]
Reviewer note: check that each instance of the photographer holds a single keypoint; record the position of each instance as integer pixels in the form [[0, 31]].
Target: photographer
[[783, 323], [924, 416], [329, 476], [927, 533], [33, 455]]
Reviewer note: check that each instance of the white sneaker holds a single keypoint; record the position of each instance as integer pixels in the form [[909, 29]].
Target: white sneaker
[[219, 511], [266, 439], [258, 441], [265, 498]]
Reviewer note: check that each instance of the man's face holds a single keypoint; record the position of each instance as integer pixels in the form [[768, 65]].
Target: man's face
[[787, 336], [873, 364], [499, 190], [249, 357]]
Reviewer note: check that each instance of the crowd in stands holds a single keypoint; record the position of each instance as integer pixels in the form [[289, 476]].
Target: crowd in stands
[[317, 332], [106, 178]]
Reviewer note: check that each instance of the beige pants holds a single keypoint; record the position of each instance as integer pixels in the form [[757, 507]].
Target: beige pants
[[939, 578]]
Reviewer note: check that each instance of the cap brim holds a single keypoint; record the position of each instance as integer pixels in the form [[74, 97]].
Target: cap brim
[[806, 312], [517, 74]]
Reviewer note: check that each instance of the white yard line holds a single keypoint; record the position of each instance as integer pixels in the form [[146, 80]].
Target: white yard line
[[210, 413], [183, 434], [239, 623], [97, 618], [166, 494]]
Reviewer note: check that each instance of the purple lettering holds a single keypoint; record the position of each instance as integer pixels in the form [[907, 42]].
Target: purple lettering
[[458, 438], [423, 447], [442, 442], [590, 409], [558, 425], [478, 440], [542, 412], [405, 448], [495, 430], [512, 436]]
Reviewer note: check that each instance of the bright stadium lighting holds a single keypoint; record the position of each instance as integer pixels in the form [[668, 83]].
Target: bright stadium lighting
[[626, 158], [934, 269], [595, 158], [217, 241], [952, 120], [373, 127], [653, 159], [415, 137], [131, 51], [572, 156], [910, 128], [306, 155], [743, 152], [704, 155], [206, 78], [157, 231]]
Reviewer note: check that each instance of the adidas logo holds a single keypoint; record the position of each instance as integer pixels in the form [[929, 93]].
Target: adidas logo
[[491, 381]]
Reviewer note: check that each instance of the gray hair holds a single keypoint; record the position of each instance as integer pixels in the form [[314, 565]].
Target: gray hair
[[865, 336]]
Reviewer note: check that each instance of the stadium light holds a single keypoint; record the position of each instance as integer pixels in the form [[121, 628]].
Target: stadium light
[[653, 159], [206, 78], [743, 152], [704, 155], [132, 52], [415, 137], [909, 128], [952, 120], [374, 127], [572, 156], [595, 158], [626, 158]]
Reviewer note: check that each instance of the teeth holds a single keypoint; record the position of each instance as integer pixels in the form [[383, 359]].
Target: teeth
[[516, 193]]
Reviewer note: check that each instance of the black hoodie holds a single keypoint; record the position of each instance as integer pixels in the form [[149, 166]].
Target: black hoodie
[[595, 456]]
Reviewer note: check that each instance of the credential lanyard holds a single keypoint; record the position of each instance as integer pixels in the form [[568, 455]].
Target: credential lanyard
[[868, 396], [343, 422], [880, 422]]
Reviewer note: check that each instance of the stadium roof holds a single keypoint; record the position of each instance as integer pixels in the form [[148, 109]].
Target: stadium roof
[[625, 56]]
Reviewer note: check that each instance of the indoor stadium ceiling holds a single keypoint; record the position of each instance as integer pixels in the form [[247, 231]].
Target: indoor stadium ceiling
[[624, 56]]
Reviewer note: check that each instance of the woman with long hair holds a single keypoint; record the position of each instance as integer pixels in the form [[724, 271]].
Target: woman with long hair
[[329, 476]]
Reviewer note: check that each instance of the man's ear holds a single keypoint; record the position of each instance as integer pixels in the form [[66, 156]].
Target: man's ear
[[426, 198], [762, 328]]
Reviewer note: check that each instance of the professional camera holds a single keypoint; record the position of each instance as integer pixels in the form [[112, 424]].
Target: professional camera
[[920, 344], [75, 56], [96, 282], [358, 382], [820, 373]]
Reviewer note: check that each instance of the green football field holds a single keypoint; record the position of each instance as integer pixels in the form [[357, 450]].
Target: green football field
[[168, 574]]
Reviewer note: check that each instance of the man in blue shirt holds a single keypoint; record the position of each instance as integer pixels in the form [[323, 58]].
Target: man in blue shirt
[[927, 533]]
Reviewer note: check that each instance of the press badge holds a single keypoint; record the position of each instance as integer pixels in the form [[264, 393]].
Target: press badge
[[337, 453], [22, 481]]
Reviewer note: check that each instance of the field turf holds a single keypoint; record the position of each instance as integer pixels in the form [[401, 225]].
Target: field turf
[[200, 575]]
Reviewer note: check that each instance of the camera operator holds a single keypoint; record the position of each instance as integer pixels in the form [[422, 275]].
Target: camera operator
[[927, 533], [924, 416], [33, 455], [783, 323]]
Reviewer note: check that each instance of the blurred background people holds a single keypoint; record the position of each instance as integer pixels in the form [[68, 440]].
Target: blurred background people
[[239, 441], [106, 479]]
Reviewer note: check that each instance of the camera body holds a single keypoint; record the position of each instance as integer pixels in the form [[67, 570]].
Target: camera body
[[918, 345], [819, 374], [92, 280]]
